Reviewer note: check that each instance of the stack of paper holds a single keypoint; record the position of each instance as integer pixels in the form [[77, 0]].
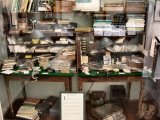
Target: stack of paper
[[135, 23], [63, 60], [27, 112], [104, 26], [8, 64]]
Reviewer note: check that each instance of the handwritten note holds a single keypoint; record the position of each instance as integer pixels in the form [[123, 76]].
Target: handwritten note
[[72, 106]]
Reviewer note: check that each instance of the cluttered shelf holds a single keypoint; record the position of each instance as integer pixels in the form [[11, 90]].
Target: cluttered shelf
[[116, 36], [45, 32], [44, 44], [80, 11], [107, 74]]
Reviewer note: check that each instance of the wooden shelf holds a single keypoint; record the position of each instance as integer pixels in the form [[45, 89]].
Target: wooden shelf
[[45, 32], [43, 44], [79, 11]]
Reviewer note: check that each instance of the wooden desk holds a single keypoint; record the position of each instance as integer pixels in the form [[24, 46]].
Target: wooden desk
[[52, 77], [115, 77]]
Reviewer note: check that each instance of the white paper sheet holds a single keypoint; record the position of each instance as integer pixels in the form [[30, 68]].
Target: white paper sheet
[[72, 106], [7, 72], [1, 114], [152, 47]]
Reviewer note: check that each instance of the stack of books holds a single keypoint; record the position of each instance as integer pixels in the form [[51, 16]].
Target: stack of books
[[104, 26], [65, 40], [63, 6], [64, 60], [44, 25], [64, 26], [114, 7], [102, 22], [8, 64], [135, 23], [27, 111]]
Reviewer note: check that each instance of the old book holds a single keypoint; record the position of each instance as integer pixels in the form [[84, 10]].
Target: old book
[[32, 101], [63, 8], [64, 21], [27, 112], [83, 29], [107, 111], [64, 3]]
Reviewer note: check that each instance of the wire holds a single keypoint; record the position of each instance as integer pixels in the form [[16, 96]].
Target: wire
[[89, 89]]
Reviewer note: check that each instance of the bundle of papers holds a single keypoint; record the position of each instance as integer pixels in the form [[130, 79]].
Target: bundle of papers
[[135, 24], [63, 60], [8, 64], [27, 112]]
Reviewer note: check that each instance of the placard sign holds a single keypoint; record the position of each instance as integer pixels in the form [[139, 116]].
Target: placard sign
[[1, 114], [72, 106]]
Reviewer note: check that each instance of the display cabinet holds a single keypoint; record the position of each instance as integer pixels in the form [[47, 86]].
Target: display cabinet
[[110, 50]]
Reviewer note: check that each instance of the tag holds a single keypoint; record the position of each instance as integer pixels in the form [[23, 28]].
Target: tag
[[45, 73], [28, 56], [121, 73], [25, 72]]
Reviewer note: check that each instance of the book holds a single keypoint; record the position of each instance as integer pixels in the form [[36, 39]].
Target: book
[[31, 101], [107, 111], [64, 21], [30, 5], [27, 112]]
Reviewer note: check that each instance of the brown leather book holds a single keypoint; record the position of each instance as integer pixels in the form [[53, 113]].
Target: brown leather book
[[62, 9], [32, 101], [64, 3]]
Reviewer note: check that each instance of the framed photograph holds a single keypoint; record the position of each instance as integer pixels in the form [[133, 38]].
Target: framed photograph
[[157, 11]]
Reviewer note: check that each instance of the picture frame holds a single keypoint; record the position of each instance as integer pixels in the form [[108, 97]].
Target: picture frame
[[157, 11], [72, 106]]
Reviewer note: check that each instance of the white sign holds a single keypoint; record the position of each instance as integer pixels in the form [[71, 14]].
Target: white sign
[[1, 114], [72, 106]]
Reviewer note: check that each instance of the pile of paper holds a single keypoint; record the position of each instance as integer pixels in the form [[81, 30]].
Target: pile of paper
[[65, 40], [104, 26], [27, 112], [63, 61], [135, 23], [8, 64]]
